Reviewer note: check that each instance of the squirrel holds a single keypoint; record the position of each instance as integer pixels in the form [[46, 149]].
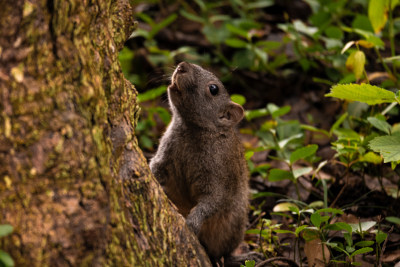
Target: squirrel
[[200, 160]]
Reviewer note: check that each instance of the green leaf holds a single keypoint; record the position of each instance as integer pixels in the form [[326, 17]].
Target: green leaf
[[279, 175], [361, 251], [344, 226], [371, 157], [356, 62], [388, 146], [191, 16], [395, 220], [282, 231], [152, 94], [239, 99], [256, 113], [6, 259], [250, 263], [236, 30], [380, 237], [365, 93], [299, 229], [303, 153], [364, 244], [316, 219], [236, 43], [380, 124], [377, 13], [338, 122], [5, 229], [276, 111]]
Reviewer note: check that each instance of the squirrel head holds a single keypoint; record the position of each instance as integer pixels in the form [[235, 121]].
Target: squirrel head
[[199, 98]]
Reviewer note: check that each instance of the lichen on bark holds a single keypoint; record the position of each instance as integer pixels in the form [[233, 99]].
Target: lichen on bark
[[73, 181]]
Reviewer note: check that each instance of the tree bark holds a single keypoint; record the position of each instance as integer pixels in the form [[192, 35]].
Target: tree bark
[[73, 181]]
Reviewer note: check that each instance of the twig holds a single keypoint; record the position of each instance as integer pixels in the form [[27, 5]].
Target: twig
[[384, 246]]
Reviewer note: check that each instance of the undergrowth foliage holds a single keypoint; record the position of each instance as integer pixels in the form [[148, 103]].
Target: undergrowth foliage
[[354, 41]]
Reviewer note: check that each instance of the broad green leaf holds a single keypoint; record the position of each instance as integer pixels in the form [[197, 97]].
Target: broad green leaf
[[361, 251], [395, 220], [6, 259], [279, 175], [236, 43], [5, 229], [250, 263], [248, 155], [377, 13], [316, 219], [344, 226], [239, 99], [284, 206], [388, 146], [284, 142], [380, 237], [239, 31], [364, 244], [366, 93], [356, 62], [299, 229], [380, 124], [256, 113], [371, 157], [301, 171], [280, 112], [303, 153]]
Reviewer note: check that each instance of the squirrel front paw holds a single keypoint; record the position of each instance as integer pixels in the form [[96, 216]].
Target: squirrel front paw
[[193, 224]]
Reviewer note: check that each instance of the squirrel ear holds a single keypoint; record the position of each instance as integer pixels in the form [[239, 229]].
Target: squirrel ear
[[232, 115]]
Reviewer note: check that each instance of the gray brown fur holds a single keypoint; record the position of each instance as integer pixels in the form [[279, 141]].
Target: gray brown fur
[[200, 162]]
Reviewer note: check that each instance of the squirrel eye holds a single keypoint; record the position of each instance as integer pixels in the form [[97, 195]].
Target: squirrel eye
[[213, 89]]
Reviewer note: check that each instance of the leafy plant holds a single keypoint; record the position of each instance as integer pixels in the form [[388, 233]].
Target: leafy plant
[[5, 259]]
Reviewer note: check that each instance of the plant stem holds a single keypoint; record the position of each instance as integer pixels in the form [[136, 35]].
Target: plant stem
[[391, 35]]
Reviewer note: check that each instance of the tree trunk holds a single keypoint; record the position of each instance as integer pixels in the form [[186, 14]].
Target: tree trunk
[[73, 182]]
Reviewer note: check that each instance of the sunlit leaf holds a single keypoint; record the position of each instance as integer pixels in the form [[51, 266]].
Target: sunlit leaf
[[239, 99], [356, 62], [284, 206], [365, 226], [371, 157], [301, 171], [365, 93], [388, 146], [377, 13]]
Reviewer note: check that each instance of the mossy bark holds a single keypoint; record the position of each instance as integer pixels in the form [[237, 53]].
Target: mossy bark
[[73, 181]]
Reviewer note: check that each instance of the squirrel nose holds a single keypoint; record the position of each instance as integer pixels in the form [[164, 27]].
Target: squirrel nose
[[182, 67]]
